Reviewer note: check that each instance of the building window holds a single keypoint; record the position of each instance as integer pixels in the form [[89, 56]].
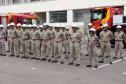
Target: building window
[[2, 2], [9, 2], [58, 16], [34, 0], [16, 1], [25, 1], [78, 15]]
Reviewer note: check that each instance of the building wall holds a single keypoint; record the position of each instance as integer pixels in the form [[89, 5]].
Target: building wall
[[58, 5], [8, 2], [41, 17], [82, 23]]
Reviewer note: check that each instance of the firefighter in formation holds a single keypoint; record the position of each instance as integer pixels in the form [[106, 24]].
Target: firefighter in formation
[[104, 39], [57, 43], [44, 42]]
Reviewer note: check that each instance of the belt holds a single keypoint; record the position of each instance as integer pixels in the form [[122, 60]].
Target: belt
[[24, 39], [14, 38], [58, 41], [35, 39], [118, 40], [45, 40], [1, 38], [105, 41]]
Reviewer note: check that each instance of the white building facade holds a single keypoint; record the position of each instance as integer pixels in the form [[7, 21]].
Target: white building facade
[[60, 12]]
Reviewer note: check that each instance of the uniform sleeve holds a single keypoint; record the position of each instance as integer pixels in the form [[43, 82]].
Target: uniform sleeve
[[111, 35], [52, 35], [61, 35], [115, 35], [79, 37], [100, 34], [97, 40], [80, 34], [28, 34], [4, 34], [38, 34], [124, 36]]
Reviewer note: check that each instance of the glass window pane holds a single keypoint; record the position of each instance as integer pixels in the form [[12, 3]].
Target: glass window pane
[[0, 2], [27, 21], [58, 16], [35, 0], [78, 15], [16, 1], [19, 20]]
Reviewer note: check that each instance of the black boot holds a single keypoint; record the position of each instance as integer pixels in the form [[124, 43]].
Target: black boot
[[77, 64], [71, 63], [95, 66], [101, 61], [89, 66], [114, 57]]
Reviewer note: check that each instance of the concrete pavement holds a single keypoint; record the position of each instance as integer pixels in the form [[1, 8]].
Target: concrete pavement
[[25, 71]]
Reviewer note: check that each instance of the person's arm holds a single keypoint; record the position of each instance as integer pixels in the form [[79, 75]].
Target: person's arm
[[111, 36]]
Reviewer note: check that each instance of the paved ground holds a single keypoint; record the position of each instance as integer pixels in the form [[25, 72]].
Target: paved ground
[[25, 71]]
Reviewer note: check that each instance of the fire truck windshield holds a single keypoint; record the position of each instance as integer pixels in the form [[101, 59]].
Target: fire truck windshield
[[28, 21], [98, 15]]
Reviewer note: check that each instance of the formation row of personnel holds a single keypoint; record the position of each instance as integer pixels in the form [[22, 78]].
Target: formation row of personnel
[[54, 44], [104, 39]]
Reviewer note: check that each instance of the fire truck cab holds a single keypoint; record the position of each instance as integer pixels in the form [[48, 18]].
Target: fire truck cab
[[105, 15], [17, 18]]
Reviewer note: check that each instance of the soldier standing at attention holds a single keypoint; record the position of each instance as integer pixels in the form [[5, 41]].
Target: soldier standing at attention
[[57, 44], [93, 56], [46, 44], [119, 38], [35, 35], [14, 40], [2, 41], [19, 31], [68, 40], [30, 29], [64, 47], [87, 35], [25, 41], [8, 37], [75, 46], [51, 41], [41, 41], [105, 37]]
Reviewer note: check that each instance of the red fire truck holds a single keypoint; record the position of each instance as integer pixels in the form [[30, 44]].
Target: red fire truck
[[105, 15], [17, 18], [101, 16]]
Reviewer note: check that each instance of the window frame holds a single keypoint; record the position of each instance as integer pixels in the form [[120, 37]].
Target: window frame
[[57, 16]]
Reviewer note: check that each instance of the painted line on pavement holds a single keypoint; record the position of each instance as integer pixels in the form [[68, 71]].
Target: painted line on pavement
[[109, 64], [124, 58], [117, 61], [103, 65]]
